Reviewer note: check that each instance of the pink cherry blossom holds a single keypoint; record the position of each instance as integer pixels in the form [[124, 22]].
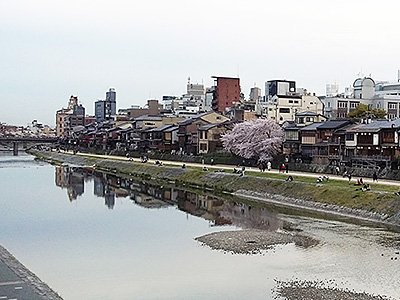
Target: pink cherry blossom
[[261, 139]]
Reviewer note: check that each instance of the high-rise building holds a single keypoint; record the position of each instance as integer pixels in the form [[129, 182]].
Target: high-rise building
[[255, 94], [227, 93], [106, 109]]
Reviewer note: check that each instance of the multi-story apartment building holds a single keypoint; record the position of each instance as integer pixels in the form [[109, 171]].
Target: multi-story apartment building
[[62, 115], [255, 94], [106, 109], [283, 102], [226, 93]]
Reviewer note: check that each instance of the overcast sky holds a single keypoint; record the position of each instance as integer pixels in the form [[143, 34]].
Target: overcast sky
[[52, 49]]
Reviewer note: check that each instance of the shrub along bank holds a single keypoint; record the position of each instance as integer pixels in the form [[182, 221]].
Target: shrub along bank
[[379, 204]]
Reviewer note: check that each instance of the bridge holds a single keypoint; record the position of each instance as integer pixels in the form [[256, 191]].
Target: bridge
[[17, 142]]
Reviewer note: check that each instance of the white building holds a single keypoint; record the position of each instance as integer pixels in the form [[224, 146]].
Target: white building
[[282, 102], [382, 95]]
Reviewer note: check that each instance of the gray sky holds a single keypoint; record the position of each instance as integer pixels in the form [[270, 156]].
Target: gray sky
[[145, 49]]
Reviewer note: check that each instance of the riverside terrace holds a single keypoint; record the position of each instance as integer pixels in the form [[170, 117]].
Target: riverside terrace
[[335, 142], [339, 142]]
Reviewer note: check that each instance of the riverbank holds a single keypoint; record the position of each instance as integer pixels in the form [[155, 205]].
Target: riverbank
[[33, 283], [333, 197]]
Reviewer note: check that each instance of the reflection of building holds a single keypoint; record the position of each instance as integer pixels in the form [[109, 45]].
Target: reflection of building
[[71, 180], [98, 187], [109, 197], [246, 216], [203, 206], [217, 211]]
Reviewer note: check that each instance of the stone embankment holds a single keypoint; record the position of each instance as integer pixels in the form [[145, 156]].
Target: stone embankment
[[38, 286], [342, 202]]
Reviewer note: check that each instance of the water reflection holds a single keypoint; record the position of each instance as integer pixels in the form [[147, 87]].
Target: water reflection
[[209, 207]]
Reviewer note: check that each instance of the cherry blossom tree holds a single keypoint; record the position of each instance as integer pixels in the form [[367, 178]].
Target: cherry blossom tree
[[261, 139]]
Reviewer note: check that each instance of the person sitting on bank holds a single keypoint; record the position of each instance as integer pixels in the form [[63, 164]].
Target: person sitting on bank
[[359, 182], [205, 168], [183, 166], [289, 179], [366, 188]]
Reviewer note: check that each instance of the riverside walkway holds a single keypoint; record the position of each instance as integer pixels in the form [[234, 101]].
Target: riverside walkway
[[248, 169]]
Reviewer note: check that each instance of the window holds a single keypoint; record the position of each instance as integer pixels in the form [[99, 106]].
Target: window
[[353, 104], [296, 101], [350, 137], [342, 104], [290, 101], [284, 110], [392, 106], [309, 119], [300, 120]]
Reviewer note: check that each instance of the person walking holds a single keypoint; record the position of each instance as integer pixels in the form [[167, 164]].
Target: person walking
[[375, 177], [269, 166], [243, 170]]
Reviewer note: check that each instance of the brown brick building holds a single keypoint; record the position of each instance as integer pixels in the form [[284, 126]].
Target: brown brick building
[[227, 93]]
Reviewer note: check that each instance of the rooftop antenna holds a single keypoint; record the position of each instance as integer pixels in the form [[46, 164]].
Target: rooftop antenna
[[189, 80]]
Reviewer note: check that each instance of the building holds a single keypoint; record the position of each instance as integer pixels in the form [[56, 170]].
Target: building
[[76, 118], [106, 109], [255, 94], [332, 90], [188, 130], [62, 116], [283, 102], [226, 93], [381, 95], [209, 136], [153, 108], [282, 88], [195, 96]]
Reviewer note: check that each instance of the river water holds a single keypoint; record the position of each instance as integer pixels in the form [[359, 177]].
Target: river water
[[92, 236]]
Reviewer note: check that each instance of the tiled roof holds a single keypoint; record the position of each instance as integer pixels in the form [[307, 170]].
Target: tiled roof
[[334, 124], [312, 126]]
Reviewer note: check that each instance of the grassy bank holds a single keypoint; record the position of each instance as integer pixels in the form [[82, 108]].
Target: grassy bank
[[381, 199]]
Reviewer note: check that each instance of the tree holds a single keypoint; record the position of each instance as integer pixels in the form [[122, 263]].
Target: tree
[[363, 111], [261, 139]]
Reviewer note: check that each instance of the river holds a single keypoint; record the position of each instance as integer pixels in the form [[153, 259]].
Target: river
[[92, 236]]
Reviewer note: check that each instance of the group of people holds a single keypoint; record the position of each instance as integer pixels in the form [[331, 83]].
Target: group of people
[[264, 166], [322, 178], [283, 168]]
